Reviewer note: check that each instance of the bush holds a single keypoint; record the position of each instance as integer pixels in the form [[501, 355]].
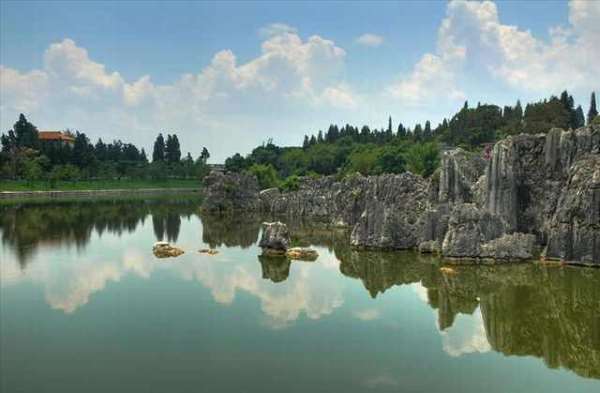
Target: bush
[[423, 158], [291, 183], [265, 174]]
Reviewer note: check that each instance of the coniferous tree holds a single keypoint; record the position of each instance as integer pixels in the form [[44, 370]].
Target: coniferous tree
[[418, 133], [143, 156], [26, 133], [427, 135], [320, 137], [593, 112], [306, 142], [579, 117], [172, 149], [401, 131], [100, 150], [158, 154]]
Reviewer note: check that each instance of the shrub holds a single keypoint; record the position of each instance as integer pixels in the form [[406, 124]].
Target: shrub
[[423, 158], [291, 183], [265, 174]]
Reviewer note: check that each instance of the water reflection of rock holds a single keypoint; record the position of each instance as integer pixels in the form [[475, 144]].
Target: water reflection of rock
[[528, 310], [276, 269], [230, 230], [27, 226]]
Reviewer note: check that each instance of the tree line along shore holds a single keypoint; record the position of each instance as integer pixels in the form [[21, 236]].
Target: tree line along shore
[[30, 162]]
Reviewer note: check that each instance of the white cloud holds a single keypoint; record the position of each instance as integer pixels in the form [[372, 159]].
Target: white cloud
[[472, 34], [289, 75], [276, 29], [369, 39]]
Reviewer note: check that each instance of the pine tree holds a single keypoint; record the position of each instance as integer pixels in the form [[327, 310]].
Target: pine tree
[[593, 112], [158, 154], [306, 142], [389, 129], [143, 156]]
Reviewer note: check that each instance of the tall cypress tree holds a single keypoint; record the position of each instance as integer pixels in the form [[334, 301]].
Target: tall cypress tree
[[593, 112], [579, 117], [158, 154]]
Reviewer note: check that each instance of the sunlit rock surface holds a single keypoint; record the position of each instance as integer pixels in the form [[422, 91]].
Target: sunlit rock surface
[[275, 238]]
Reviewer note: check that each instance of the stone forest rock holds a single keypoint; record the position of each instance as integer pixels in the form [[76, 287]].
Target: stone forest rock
[[510, 247], [574, 231], [545, 185], [391, 215], [165, 250], [225, 192], [275, 238]]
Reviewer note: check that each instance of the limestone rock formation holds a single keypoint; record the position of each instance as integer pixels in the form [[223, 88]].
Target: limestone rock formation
[[275, 239], [545, 185], [574, 231], [165, 250], [226, 192], [509, 247], [391, 215], [468, 228]]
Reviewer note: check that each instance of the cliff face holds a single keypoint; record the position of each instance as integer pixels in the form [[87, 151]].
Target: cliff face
[[546, 186]]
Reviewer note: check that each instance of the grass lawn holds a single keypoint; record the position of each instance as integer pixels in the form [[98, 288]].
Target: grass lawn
[[21, 185]]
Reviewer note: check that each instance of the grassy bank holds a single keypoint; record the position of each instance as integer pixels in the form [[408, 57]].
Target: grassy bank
[[21, 185]]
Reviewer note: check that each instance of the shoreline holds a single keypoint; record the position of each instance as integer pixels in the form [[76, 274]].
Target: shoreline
[[59, 194]]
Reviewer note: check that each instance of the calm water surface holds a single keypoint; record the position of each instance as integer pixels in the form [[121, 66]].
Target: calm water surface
[[86, 307]]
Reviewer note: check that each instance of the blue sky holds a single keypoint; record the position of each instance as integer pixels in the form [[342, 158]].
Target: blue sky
[[230, 75]]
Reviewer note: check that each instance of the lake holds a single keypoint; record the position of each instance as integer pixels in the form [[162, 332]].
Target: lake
[[86, 307]]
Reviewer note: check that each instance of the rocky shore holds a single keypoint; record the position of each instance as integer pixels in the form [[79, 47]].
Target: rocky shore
[[536, 196]]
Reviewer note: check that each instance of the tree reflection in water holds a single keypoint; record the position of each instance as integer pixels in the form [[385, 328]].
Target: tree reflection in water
[[27, 226], [526, 310]]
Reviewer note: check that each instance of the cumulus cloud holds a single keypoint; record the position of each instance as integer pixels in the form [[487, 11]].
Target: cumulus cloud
[[369, 39], [289, 74], [473, 34]]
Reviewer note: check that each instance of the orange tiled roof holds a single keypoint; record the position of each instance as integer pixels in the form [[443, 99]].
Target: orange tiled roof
[[55, 136]]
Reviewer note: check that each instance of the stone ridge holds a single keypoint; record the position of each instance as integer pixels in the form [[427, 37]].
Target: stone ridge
[[537, 192]]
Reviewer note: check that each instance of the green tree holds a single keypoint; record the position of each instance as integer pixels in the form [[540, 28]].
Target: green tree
[[579, 117], [158, 154], [172, 149], [593, 112], [204, 155], [236, 163], [26, 133]]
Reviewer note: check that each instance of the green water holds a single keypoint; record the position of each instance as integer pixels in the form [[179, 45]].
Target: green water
[[85, 307]]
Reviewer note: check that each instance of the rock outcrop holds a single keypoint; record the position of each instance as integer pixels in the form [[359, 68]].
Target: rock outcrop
[[545, 185], [227, 192], [390, 220], [275, 239], [574, 230]]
